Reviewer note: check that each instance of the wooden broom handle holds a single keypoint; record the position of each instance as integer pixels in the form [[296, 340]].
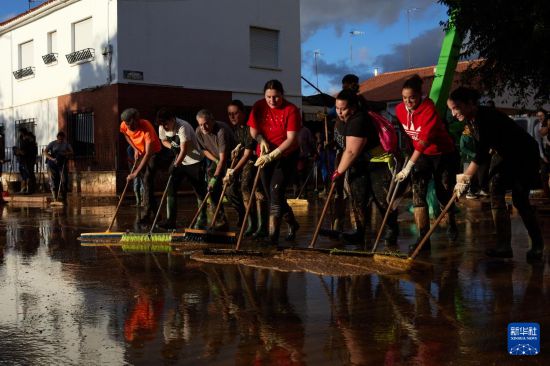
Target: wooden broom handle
[[121, 198], [200, 209], [225, 185], [434, 226], [248, 207], [386, 215], [323, 213]]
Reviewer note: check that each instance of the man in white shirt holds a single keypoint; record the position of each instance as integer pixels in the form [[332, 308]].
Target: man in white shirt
[[179, 136]]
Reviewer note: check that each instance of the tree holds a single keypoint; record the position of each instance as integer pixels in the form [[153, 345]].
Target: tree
[[512, 39]]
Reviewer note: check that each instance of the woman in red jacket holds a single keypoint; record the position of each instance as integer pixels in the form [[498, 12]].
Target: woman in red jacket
[[274, 123], [434, 155]]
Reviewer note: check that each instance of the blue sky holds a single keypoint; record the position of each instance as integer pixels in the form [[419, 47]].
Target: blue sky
[[326, 27]]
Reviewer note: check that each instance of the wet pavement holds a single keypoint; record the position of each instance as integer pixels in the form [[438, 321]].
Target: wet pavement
[[65, 304]]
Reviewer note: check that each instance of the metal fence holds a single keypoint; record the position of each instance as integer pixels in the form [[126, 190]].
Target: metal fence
[[103, 157]]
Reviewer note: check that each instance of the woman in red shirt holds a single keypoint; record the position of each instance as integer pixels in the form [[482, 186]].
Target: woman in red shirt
[[274, 123], [434, 156]]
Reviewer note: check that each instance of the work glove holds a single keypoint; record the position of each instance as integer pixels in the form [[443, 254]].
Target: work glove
[[336, 175], [235, 152], [404, 173], [264, 146], [229, 175], [212, 183], [174, 147], [268, 158], [462, 184]]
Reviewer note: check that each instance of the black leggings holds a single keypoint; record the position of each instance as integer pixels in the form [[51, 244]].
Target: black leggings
[[443, 169], [275, 178]]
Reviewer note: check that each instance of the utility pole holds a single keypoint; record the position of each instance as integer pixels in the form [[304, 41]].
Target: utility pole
[[409, 11]]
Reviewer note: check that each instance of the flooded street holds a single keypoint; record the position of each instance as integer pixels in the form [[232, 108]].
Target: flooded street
[[65, 304]]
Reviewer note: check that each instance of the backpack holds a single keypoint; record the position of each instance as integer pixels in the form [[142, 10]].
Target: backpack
[[386, 132]]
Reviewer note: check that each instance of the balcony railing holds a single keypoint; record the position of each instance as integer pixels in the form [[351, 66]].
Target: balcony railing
[[50, 58], [23, 73], [86, 54]]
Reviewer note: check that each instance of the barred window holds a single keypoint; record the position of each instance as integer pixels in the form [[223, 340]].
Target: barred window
[[29, 124], [80, 133]]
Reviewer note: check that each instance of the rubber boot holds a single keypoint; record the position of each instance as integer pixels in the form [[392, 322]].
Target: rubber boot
[[532, 225], [24, 186], [292, 224], [261, 219], [202, 220], [422, 220], [357, 237], [503, 227], [452, 229], [274, 229], [138, 198], [392, 230], [171, 209], [2, 200]]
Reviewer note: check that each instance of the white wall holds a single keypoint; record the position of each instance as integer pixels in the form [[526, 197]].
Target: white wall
[[26, 98], [205, 44]]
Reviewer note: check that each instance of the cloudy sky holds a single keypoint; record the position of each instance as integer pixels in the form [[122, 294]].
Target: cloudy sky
[[385, 28], [388, 35]]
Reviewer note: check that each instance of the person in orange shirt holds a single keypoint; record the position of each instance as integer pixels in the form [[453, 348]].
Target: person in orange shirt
[[141, 135]]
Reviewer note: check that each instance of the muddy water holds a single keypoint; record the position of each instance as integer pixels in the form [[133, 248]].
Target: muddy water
[[64, 304]]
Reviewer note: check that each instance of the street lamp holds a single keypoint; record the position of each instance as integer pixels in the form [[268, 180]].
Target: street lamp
[[351, 34], [409, 11], [316, 53]]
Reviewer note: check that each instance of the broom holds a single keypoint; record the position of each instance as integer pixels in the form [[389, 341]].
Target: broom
[[108, 234], [210, 235], [409, 263], [150, 237], [237, 250], [386, 215], [56, 202]]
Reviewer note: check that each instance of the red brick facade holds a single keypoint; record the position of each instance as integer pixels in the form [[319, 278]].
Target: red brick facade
[[108, 102]]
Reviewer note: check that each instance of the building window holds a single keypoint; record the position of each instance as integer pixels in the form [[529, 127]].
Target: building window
[[264, 47], [82, 35], [29, 124], [80, 128], [26, 54], [52, 42]]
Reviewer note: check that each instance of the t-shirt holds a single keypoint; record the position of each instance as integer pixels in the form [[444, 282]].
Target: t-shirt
[[494, 130], [220, 139], [242, 136], [58, 150], [425, 128], [274, 123], [144, 133], [183, 132], [358, 125]]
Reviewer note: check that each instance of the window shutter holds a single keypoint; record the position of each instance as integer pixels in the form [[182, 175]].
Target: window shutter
[[26, 54], [82, 35], [264, 47]]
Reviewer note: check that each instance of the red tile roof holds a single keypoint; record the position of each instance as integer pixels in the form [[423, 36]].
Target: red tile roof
[[387, 86], [25, 13]]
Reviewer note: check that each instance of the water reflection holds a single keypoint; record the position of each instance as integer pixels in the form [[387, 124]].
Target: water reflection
[[61, 303]]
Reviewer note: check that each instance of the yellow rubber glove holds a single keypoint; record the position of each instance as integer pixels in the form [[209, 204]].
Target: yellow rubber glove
[[268, 158]]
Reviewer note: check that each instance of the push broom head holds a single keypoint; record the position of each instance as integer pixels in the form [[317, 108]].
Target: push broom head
[[209, 236], [146, 238], [146, 247]]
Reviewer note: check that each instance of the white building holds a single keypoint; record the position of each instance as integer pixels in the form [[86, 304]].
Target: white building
[[76, 64]]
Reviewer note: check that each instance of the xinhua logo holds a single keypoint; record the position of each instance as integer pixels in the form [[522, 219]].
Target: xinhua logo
[[524, 339]]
